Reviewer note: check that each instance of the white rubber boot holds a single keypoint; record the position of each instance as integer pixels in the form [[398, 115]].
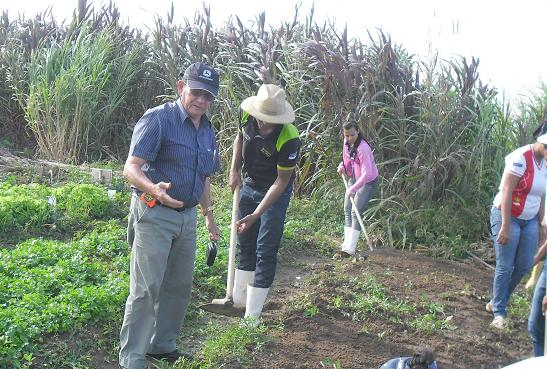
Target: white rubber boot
[[241, 279], [255, 302], [347, 232], [352, 243]]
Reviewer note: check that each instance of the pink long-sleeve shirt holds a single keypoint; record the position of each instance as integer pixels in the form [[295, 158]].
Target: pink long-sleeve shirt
[[362, 167]]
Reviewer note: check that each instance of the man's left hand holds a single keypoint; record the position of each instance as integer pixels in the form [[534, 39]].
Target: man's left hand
[[544, 305], [244, 224], [214, 232]]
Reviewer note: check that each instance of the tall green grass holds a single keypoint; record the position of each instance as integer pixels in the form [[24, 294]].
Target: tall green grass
[[74, 88], [439, 133]]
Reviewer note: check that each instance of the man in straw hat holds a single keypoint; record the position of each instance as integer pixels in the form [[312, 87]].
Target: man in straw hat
[[172, 154], [267, 150]]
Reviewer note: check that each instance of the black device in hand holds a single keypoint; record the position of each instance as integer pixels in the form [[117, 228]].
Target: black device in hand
[[211, 252]]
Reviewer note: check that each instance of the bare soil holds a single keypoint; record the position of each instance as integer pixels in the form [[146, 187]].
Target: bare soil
[[328, 339]]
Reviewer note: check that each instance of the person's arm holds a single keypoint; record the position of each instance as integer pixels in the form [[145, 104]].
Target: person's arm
[[540, 254], [366, 160], [206, 205], [541, 221], [134, 174], [273, 194], [544, 304], [340, 170], [237, 159], [510, 182]]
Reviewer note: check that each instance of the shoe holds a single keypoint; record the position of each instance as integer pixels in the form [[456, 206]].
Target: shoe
[[498, 322], [255, 302], [351, 245], [489, 308], [339, 255], [171, 357], [239, 294]]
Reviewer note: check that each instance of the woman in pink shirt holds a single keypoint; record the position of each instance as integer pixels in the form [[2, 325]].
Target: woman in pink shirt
[[358, 164]]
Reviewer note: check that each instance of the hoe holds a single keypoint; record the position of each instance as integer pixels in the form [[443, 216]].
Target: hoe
[[225, 306]]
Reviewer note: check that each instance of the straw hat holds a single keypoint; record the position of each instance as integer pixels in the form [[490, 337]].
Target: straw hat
[[269, 105]]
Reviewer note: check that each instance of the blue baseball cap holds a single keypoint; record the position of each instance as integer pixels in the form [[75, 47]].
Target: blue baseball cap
[[202, 76]]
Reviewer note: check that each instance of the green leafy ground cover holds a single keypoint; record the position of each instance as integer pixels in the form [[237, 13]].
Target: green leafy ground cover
[[59, 293], [49, 286]]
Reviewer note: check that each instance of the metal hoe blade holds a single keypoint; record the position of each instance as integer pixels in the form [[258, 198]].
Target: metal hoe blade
[[223, 307]]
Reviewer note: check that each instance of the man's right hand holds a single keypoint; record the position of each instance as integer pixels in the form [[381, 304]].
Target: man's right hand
[[234, 180], [341, 171], [159, 191]]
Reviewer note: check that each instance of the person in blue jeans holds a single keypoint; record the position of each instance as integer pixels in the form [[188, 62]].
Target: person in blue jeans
[[266, 149], [425, 359], [515, 220], [536, 320]]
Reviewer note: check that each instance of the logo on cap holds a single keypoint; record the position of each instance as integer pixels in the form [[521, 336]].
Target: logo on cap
[[206, 74]]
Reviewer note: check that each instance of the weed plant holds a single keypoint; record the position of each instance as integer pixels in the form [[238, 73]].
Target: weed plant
[[26, 211], [51, 286], [363, 297]]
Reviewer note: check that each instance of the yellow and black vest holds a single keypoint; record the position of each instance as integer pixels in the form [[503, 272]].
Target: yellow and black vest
[[264, 156]]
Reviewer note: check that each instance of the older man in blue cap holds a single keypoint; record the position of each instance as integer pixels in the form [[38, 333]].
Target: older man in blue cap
[[173, 153]]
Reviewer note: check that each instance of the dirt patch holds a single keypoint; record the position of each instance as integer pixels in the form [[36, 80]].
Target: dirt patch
[[327, 338]]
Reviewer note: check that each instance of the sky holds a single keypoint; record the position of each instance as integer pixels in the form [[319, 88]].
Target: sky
[[507, 36]]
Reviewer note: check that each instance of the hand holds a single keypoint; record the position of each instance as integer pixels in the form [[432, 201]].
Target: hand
[[159, 191], [244, 224], [544, 305], [540, 254], [503, 236], [234, 180], [341, 171], [542, 231], [214, 232], [350, 193]]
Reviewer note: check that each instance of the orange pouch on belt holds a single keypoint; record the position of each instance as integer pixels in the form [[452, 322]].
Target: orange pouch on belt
[[149, 200]]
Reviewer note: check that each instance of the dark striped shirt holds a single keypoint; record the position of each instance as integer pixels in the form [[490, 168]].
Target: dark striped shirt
[[175, 151]]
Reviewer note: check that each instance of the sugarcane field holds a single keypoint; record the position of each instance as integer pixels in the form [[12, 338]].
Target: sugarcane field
[[254, 193]]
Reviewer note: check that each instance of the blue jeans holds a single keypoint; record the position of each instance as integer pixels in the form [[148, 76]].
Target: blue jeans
[[258, 246], [536, 321], [514, 259]]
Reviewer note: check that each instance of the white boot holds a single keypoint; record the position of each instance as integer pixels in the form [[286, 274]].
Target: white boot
[[352, 242], [241, 279], [255, 302], [347, 232]]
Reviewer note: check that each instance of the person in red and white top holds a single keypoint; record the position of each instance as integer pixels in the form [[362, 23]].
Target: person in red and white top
[[515, 220], [358, 164]]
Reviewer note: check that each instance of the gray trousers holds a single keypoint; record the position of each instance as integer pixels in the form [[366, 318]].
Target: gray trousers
[[163, 247], [362, 197]]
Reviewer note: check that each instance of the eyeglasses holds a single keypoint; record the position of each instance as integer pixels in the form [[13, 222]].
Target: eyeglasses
[[196, 92]]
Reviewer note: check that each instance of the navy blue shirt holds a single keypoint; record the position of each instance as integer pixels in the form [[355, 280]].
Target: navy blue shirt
[[264, 156], [175, 151]]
